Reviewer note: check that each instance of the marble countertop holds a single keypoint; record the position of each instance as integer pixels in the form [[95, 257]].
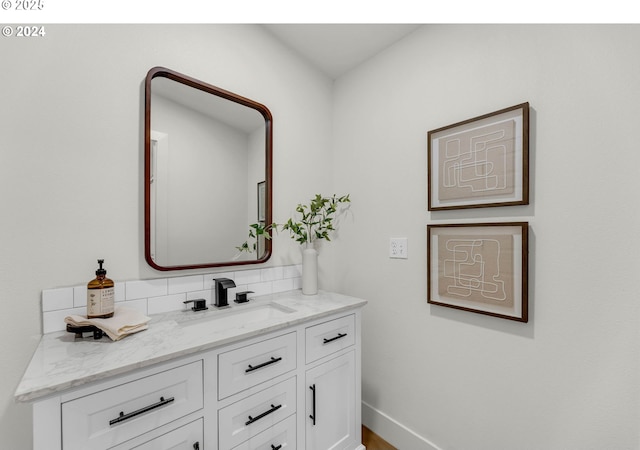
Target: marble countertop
[[62, 362]]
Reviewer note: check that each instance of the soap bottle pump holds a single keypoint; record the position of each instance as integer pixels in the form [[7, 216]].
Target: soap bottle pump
[[100, 295]]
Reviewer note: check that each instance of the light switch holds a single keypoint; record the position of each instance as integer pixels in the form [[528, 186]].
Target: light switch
[[398, 248]]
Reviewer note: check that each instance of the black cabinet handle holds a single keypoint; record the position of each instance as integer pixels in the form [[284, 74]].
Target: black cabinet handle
[[339, 336], [313, 403], [266, 413], [196, 446], [273, 447], [260, 366], [122, 417]]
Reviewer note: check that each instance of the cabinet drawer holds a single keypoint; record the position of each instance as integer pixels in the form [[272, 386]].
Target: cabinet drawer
[[112, 416], [248, 366], [329, 337], [280, 436], [255, 414], [189, 436]]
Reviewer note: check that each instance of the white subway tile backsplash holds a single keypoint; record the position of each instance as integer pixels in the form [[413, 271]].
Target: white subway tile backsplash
[[166, 303], [120, 292], [292, 271], [54, 320], [139, 305], [248, 276], [145, 288], [263, 288], [185, 284], [55, 299], [79, 296], [283, 285], [167, 294], [271, 274]]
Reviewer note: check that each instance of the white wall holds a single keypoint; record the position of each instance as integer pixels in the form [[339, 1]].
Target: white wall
[[71, 158], [567, 380]]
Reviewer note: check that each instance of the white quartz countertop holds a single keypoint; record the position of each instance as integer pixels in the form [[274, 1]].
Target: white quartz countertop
[[61, 361]]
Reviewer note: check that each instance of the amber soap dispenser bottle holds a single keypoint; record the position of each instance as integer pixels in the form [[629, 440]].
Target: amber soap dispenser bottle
[[100, 295]]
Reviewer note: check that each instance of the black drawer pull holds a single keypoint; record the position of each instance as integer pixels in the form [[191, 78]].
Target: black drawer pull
[[260, 366], [313, 407], [273, 447], [339, 336], [266, 413], [124, 416], [196, 446]]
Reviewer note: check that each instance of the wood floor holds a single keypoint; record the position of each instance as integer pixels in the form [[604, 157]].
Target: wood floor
[[374, 442]]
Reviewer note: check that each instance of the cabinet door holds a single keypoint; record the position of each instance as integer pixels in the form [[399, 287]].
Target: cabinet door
[[331, 407]]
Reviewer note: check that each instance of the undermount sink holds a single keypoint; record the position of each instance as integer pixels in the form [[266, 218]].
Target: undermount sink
[[239, 316]]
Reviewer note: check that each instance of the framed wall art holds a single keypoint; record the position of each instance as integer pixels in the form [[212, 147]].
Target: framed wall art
[[480, 268], [480, 162]]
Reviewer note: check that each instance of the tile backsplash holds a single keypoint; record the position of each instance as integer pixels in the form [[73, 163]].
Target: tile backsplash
[[166, 294]]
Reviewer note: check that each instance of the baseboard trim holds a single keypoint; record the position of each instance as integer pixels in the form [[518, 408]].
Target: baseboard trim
[[392, 431]]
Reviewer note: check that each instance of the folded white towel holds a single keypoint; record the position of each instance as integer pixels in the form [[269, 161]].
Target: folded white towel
[[125, 321]]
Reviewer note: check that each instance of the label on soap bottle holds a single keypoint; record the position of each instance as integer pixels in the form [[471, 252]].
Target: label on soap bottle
[[100, 301]]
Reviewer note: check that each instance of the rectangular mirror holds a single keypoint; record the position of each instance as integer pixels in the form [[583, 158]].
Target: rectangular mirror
[[208, 165]]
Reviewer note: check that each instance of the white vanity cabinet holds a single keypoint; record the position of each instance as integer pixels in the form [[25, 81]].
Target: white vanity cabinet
[[295, 386], [333, 420]]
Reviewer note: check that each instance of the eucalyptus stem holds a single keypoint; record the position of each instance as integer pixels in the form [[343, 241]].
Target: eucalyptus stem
[[316, 221]]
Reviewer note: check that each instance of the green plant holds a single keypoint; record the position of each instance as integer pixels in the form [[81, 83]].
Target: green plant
[[316, 221], [255, 231]]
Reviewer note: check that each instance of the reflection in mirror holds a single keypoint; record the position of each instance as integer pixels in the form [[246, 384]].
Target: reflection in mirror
[[208, 161]]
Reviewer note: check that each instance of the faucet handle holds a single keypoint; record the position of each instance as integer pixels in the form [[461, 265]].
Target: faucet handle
[[241, 297], [199, 304]]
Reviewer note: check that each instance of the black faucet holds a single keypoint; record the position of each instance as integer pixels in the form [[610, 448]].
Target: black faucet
[[221, 286]]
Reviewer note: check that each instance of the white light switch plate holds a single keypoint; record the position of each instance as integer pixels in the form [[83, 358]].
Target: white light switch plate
[[398, 248]]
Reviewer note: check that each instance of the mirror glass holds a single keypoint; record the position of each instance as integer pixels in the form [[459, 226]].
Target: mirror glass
[[208, 160]]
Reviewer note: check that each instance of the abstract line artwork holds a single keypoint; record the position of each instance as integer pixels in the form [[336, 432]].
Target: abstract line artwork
[[480, 162], [479, 267]]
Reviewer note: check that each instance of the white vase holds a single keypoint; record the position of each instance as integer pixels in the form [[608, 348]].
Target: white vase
[[309, 271]]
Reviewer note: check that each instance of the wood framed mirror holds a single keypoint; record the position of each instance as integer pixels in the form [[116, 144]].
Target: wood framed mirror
[[207, 153]]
